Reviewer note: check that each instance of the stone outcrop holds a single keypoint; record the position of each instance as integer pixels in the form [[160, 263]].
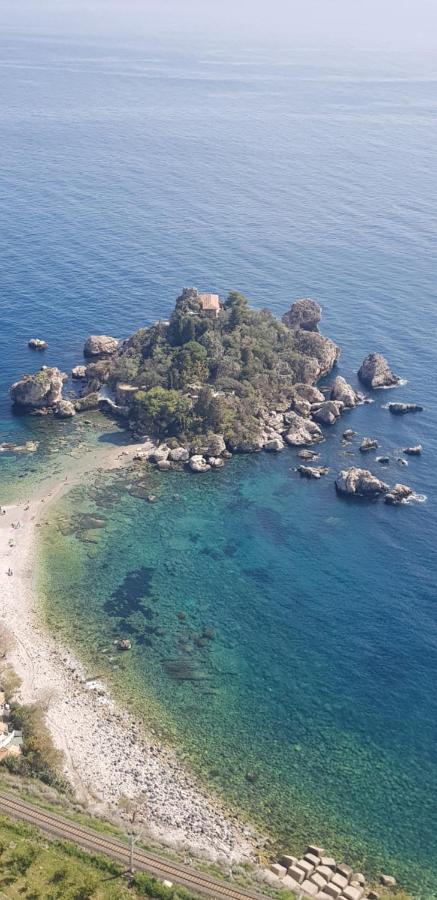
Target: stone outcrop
[[179, 455], [37, 344], [375, 372], [248, 444], [307, 454], [315, 472], [349, 434], [413, 451], [88, 402], [317, 347], [327, 412], [100, 345], [39, 391], [302, 431], [78, 373], [199, 464], [399, 409], [65, 409], [368, 444], [360, 483], [308, 392], [399, 493], [274, 445], [305, 314], [344, 392]]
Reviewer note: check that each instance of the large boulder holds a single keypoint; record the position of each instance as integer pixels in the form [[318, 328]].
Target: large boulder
[[305, 314], [344, 392], [314, 472], [375, 372], [327, 412], [308, 392], [78, 373], [360, 483], [302, 431], [199, 464], [179, 454], [88, 402], [37, 344], [100, 345], [39, 391], [274, 445]]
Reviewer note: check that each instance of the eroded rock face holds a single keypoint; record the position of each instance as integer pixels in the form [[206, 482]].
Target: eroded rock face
[[274, 445], [302, 431], [248, 445], [38, 391], [375, 372], [308, 392], [100, 345], [344, 392], [64, 409], [360, 483], [87, 403], [304, 314], [328, 412]]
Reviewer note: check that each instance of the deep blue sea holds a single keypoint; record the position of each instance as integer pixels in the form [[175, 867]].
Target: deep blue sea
[[130, 171]]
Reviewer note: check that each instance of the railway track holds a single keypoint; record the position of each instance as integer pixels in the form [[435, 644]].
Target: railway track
[[55, 826]]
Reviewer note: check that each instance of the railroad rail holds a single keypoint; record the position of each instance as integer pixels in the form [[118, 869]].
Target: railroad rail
[[55, 826]]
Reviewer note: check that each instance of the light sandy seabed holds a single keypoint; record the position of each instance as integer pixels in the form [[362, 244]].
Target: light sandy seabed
[[106, 756]]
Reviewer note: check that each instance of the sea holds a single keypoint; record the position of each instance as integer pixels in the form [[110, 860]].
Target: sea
[[283, 639]]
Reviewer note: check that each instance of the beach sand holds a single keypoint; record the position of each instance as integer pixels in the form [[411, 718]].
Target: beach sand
[[107, 756]]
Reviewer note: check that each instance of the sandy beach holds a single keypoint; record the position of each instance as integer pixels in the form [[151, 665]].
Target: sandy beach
[[107, 756]]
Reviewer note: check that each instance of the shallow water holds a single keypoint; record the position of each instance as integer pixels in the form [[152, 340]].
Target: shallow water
[[129, 172]]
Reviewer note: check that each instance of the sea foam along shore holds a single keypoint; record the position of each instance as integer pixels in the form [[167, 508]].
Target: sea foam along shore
[[107, 757]]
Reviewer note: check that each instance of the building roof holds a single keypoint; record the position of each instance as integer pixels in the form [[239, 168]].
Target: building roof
[[210, 301]]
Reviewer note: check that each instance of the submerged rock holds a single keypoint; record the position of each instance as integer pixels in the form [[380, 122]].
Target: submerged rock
[[344, 392], [375, 372], [383, 460], [399, 409], [124, 644], [302, 431], [38, 391], [305, 314], [100, 345], [37, 344], [312, 471], [308, 454], [360, 483], [398, 494]]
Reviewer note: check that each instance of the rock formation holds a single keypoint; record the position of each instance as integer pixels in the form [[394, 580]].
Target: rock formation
[[413, 451], [360, 483], [199, 464], [344, 392], [327, 412], [305, 314], [399, 493], [37, 344], [100, 345], [368, 444], [312, 471], [39, 391], [375, 372], [65, 409], [179, 454], [302, 431], [319, 348], [78, 373], [399, 409]]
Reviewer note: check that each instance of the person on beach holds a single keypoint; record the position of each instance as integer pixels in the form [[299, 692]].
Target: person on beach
[[9, 572]]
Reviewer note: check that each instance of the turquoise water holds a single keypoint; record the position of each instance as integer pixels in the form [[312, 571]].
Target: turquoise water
[[129, 171]]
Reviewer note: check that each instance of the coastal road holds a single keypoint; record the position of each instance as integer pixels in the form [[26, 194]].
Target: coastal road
[[55, 826]]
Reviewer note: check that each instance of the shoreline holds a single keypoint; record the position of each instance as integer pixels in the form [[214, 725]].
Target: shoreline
[[107, 757]]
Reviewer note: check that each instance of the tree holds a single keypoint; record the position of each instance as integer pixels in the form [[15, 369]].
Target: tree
[[160, 410]]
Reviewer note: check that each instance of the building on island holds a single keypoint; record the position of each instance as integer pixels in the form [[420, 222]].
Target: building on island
[[210, 304]]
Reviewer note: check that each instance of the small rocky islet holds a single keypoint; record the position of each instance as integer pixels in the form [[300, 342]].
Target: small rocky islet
[[220, 378]]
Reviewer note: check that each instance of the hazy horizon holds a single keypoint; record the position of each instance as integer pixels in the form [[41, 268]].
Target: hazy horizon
[[390, 24]]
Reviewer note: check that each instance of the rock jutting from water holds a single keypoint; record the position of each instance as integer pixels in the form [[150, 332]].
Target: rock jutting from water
[[43, 390], [98, 345], [368, 444], [314, 472], [37, 344], [413, 451], [399, 493], [400, 409], [360, 483], [345, 393], [375, 372]]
